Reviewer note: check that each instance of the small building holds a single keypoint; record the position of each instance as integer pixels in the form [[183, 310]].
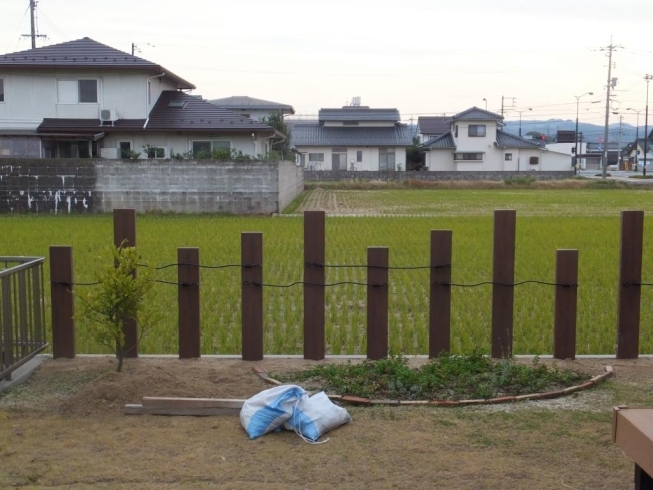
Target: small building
[[252, 108], [429, 127]]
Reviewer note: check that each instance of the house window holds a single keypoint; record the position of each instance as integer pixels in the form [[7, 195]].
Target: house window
[[386, 158], [155, 152], [2, 90], [476, 130], [477, 157], [205, 149], [359, 156], [316, 157], [534, 160], [77, 91], [508, 157], [125, 149]]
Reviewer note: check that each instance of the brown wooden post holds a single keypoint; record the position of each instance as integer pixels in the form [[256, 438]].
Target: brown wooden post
[[630, 276], [566, 302], [314, 253], [440, 301], [252, 302], [504, 275], [377, 302], [124, 229], [63, 302], [188, 273]]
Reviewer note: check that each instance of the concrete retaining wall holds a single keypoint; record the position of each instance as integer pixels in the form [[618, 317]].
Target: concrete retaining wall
[[330, 175], [79, 186]]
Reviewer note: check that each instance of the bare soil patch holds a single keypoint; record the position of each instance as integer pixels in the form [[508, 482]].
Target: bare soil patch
[[65, 429]]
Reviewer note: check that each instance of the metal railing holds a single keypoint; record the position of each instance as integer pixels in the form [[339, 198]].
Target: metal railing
[[22, 312]]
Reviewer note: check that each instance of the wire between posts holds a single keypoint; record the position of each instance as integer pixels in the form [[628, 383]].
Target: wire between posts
[[201, 266], [452, 284], [68, 284], [254, 283], [383, 267], [628, 284]]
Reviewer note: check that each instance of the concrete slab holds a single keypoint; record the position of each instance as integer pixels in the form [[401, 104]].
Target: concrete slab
[[22, 374]]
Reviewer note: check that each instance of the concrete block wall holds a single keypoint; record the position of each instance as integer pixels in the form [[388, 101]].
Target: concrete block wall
[[330, 175], [148, 186]]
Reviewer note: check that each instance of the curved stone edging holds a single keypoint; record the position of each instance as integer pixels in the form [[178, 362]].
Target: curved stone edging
[[354, 400]]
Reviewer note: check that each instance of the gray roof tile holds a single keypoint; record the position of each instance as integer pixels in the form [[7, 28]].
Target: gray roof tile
[[242, 102], [85, 53], [192, 113], [477, 114], [359, 113], [439, 142], [318, 135], [507, 140], [433, 124]]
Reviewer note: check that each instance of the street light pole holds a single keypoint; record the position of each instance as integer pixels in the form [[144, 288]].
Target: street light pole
[[648, 78], [636, 134], [520, 112], [576, 135]]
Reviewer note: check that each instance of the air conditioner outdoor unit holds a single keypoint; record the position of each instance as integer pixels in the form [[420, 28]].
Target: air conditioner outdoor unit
[[108, 115]]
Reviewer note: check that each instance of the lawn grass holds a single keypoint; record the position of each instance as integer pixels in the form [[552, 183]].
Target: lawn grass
[[587, 220]]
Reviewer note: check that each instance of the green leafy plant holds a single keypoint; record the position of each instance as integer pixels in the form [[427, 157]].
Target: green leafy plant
[[154, 151], [120, 295], [221, 154], [129, 154]]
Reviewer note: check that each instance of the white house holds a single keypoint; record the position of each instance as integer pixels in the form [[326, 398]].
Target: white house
[[256, 109], [85, 99], [429, 127], [352, 138], [475, 141], [635, 151]]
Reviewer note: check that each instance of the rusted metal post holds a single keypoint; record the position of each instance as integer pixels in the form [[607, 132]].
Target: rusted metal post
[[314, 254], [124, 233], [504, 279], [188, 274], [377, 302], [440, 299], [630, 277], [63, 302], [252, 291], [566, 302]]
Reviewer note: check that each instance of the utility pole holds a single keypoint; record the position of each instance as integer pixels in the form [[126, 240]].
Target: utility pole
[[133, 48], [604, 159], [32, 16], [648, 78], [507, 98]]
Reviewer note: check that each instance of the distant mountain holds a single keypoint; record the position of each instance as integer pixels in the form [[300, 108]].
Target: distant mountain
[[591, 132]]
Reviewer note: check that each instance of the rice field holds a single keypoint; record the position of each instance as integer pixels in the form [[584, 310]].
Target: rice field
[[590, 223]]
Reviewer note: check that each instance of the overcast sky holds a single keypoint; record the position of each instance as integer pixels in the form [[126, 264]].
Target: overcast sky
[[422, 57]]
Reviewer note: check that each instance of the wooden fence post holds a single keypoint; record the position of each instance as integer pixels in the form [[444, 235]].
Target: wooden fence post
[[124, 229], [188, 273], [566, 302], [440, 298], [503, 291], [314, 254], [252, 302], [377, 302], [63, 302], [630, 277]]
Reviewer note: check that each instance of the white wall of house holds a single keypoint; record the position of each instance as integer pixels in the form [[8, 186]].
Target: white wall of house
[[361, 124], [496, 160], [474, 143], [177, 143], [31, 96], [369, 157]]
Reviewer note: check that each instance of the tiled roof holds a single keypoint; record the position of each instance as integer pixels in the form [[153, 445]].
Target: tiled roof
[[180, 111], [443, 141], [242, 102], [358, 113], [433, 125], [53, 125], [318, 135], [477, 114], [507, 140], [84, 53]]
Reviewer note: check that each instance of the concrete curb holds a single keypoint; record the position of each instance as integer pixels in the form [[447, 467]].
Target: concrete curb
[[22, 374]]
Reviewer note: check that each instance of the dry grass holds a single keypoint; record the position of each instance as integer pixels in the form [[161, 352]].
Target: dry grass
[[64, 430]]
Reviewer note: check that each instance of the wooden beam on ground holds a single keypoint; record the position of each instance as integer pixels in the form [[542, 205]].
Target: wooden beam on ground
[[161, 402], [137, 409]]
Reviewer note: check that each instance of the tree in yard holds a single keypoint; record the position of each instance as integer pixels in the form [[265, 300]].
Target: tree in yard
[[414, 157], [119, 296], [279, 145]]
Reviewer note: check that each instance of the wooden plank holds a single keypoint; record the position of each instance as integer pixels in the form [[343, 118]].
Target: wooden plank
[[377, 303], [63, 302], [132, 409], [188, 274], [630, 275], [314, 253], [124, 230], [504, 277], [252, 296], [566, 302], [440, 299], [172, 402]]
